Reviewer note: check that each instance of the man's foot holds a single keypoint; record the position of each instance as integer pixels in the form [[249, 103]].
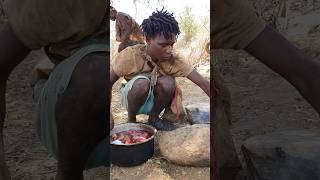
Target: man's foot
[[162, 125]]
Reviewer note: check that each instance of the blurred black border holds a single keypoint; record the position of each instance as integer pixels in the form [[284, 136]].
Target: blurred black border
[[107, 19]]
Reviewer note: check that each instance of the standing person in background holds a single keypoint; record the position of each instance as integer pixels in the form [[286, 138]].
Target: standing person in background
[[128, 32]]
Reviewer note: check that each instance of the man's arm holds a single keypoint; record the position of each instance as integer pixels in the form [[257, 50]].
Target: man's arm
[[272, 49], [113, 79], [196, 78]]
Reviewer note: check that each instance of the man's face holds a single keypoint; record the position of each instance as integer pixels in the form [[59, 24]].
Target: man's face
[[161, 48], [113, 14]]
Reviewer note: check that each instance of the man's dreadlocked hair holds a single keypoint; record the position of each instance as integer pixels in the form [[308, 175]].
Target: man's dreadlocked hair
[[160, 22]]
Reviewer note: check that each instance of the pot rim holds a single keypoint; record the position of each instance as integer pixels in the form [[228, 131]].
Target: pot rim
[[154, 131]]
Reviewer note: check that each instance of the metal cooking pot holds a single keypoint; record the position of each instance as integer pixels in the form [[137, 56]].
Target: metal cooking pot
[[132, 154]]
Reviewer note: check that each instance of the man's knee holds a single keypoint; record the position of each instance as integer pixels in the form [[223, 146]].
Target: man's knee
[[87, 86], [166, 84], [140, 88], [89, 78], [91, 73], [82, 108]]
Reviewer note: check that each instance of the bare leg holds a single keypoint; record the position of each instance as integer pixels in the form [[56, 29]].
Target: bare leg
[[126, 44], [12, 52], [81, 116], [164, 92], [121, 47], [136, 97]]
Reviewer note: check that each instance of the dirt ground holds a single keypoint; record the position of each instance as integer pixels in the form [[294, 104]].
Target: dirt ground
[[26, 158], [262, 101]]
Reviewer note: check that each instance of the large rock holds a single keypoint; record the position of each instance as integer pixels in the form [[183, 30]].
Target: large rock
[[290, 154], [198, 113], [189, 145], [226, 154], [171, 117]]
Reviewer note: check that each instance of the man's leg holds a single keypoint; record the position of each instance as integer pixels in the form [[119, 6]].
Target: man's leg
[[137, 97], [126, 44], [82, 116], [12, 52], [164, 92], [121, 46]]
